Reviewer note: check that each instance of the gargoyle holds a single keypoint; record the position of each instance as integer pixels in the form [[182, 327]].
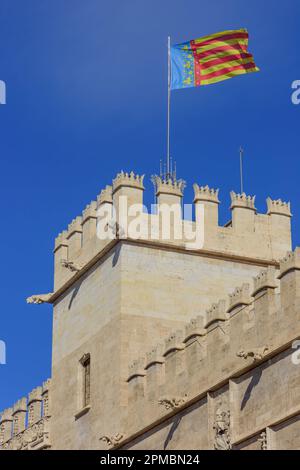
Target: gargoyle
[[112, 440], [39, 298], [257, 354], [172, 403], [70, 265]]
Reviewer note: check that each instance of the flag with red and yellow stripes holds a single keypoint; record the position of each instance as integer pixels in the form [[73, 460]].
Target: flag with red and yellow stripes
[[211, 59]]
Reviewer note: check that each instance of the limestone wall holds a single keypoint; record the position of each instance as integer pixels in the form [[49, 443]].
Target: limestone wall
[[239, 361]]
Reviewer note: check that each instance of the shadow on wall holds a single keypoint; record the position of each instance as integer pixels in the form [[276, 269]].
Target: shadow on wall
[[172, 431], [253, 382]]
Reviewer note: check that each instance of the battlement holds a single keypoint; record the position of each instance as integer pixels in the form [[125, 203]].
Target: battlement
[[260, 236], [218, 345], [242, 200], [26, 424], [205, 193]]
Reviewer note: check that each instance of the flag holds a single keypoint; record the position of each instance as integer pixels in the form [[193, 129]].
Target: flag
[[211, 59]]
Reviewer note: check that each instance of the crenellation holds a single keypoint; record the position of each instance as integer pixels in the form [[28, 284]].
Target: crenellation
[[19, 416], [25, 426], [137, 369], [154, 370], [278, 207], [46, 398], [174, 358], [194, 328], [6, 425], [131, 180], [243, 212], [34, 405], [155, 356], [242, 201], [174, 342], [74, 237], [265, 236], [207, 202], [290, 280], [105, 196], [240, 297], [216, 313], [89, 222], [266, 279], [205, 193], [290, 262]]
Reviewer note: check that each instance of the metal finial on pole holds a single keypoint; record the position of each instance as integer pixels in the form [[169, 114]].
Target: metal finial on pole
[[241, 168], [169, 106]]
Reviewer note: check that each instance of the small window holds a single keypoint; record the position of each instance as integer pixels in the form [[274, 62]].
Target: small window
[[86, 379]]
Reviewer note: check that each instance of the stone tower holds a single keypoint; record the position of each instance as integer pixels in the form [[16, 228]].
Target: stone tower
[[117, 303]]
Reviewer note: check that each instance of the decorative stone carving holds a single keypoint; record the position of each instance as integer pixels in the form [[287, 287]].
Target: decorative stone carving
[[239, 297], [242, 200], [257, 354], [195, 328], [174, 342], [75, 226], [264, 280], [39, 298], [137, 369], [263, 441], [61, 240], [217, 312], [112, 441], [105, 196], [290, 262], [173, 403], [36, 436], [205, 193], [170, 186], [128, 179], [222, 430], [155, 356], [89, 212], [278, 207], [71, 265]]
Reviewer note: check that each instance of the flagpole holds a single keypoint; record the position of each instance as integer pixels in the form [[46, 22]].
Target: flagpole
[[241, 168], [169, 107]]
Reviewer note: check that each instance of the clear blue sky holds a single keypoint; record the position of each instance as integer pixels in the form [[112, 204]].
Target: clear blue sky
[[86, 97]]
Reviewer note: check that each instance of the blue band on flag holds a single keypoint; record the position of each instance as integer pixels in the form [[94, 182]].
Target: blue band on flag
[[182, 66]]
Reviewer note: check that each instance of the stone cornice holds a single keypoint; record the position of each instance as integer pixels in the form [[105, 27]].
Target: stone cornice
[[160, 246]]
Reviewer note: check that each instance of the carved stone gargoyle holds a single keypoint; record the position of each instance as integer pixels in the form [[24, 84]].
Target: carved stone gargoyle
[[257, 354], [111, 441], [70, 265], [172, 403], [39, 298]]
